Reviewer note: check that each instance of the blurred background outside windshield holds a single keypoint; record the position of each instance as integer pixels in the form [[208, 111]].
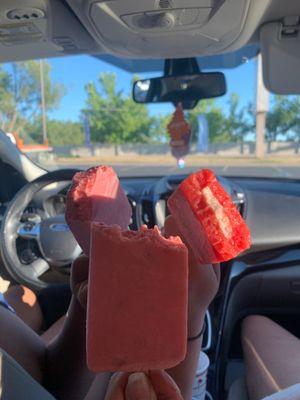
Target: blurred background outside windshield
[[78, 112]]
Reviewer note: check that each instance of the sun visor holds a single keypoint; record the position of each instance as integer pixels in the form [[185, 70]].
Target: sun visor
[[280, 49]]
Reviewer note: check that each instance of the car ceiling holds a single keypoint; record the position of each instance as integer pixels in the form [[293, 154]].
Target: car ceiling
[[137, 35]]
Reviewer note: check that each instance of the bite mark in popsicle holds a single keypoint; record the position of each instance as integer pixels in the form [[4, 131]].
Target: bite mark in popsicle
[[208, 219]]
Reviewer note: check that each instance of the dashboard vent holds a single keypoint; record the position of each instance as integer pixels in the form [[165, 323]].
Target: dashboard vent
[[134, 222], [164, 4], [148, 216], [238, 199]]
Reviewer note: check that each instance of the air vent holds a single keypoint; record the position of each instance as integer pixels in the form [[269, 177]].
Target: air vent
[[238, 199], [148, 216], [25, 14], [164, 4], [133, 225]]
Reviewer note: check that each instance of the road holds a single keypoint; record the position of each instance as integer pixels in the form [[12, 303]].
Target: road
[[273, 171]]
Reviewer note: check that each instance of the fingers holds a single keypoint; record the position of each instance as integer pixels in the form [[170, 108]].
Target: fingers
[[79, 278], [136, 386], [158, 385], [164, 386], [116, 387], [79, 270], [217, 270], [139, 388], [170, 228]]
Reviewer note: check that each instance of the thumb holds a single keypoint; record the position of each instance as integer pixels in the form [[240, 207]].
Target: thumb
[[139, 388], [116, 387]]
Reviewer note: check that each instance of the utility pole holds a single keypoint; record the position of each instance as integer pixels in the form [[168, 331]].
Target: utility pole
[[262, 107], [43, 104]]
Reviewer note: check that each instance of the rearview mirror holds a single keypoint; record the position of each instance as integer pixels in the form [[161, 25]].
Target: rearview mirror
[[184, 89]]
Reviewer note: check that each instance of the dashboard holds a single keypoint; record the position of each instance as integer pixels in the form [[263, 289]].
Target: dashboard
[[269, 206]]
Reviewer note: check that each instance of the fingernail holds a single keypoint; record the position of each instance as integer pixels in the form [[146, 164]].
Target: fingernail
[[138, 387]]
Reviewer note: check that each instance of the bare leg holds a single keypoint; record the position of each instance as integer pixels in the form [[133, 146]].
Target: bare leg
[[271, 356], [22, 344]]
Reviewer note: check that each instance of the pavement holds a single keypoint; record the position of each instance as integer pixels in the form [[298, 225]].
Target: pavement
[[129, 170]]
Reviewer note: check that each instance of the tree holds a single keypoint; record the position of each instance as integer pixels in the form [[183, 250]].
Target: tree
[[202, 108], [215, 119], [159, 132], [238, 124], [60, 133], [230, 127], [282, 117], [20, 101], [114, 117]]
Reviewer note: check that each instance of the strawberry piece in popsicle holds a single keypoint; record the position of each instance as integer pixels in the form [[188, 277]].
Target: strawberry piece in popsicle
[[137, 300], [96, 195], [208, 219]]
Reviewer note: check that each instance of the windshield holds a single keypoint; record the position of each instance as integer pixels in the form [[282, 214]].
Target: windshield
[[77, 112]]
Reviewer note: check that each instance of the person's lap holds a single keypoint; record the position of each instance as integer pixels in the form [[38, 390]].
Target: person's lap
[[271, 357]]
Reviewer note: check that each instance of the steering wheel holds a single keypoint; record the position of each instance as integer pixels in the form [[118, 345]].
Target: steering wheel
[[56, 244]]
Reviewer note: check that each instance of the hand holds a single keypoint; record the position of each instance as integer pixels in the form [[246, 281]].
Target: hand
[[155, 385], [79, 279], [204, 281]]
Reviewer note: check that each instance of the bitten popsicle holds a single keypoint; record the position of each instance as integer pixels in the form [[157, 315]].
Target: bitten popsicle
[[208, 220], [137, 300], [96, 195]]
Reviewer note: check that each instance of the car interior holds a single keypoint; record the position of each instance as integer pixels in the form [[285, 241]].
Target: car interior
[[139, 36]]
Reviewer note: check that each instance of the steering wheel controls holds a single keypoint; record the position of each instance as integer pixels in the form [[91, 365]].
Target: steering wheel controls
[[29, 230]]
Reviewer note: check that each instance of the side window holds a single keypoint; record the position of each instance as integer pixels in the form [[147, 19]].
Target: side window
[[10, 182]]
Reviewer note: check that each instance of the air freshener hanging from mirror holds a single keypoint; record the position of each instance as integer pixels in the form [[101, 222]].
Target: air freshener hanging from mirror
[[180, 133]]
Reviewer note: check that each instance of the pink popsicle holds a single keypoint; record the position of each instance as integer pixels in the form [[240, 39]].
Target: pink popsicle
[[96, 195], [137, 300]]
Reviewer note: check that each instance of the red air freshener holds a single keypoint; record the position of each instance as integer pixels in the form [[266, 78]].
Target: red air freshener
[[180, 133]]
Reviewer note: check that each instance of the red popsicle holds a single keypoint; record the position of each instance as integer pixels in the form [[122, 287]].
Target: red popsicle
[[96, 195], [137, 300], [208, 219]]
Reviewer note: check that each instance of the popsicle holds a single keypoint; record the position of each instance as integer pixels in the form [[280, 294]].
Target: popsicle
[[95, 195], [137, 300], [208, 220]]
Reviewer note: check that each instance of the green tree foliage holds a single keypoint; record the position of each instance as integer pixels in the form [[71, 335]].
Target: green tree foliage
[[159, 132], [65, 132], [295, 133], [238, 123], [20, 92], [283, 118], [60, 133], [222, 128], [215, 120], [114, 117]]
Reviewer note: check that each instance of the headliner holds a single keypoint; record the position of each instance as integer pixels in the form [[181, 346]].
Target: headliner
[[222, 61]]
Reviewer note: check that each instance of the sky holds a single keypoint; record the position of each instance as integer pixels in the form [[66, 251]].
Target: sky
[[76, 71]]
